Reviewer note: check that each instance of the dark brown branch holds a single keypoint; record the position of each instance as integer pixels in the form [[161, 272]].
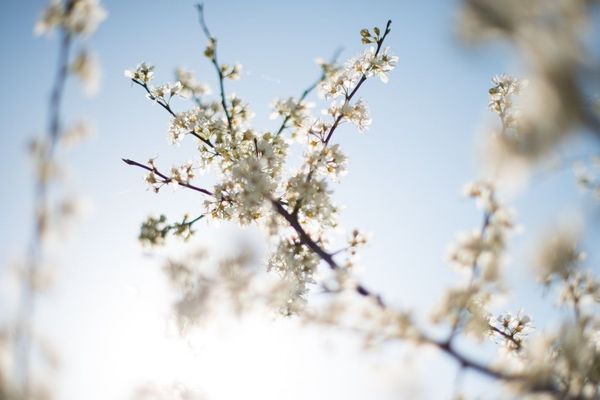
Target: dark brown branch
[[445, 346], [468, 363], [322, 253], [362, 80], [304, 237], [165, 178], [474, 273], [506, 336], [163, 104], [292, 219]]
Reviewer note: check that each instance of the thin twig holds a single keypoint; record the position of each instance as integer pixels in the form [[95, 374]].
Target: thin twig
[[215, 62], [188, 224], [339, 118], [168, 108], [292, 219], [474, 272], [27, 302], [307, 91], [164, 105], [506, 336], [362, 80], [165, 178], [306, 240]]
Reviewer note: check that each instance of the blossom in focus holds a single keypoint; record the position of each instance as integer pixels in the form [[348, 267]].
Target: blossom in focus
[[143, 73], [190, 86]]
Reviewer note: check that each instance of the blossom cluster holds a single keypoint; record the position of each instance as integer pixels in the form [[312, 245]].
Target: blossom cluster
[[558, 256], [481, 253], [369, 63], [78, 17], [484, 248], [292, 110], [501, 98], [190, 86], [154, 231], [511, 330], [296, 210], [550, 38], [357, 113], [179, 175], [250, 164]]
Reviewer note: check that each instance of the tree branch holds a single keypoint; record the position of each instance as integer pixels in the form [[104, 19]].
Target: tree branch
[[362, 80], [506, 336], [322, 253], [215, 62], [168, 108], [339, 118], [307, 91], [165, 178], [447, 346]]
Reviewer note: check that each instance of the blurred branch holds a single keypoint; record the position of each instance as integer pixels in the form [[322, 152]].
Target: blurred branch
[[474, 273], [27, 302], [166, 179]]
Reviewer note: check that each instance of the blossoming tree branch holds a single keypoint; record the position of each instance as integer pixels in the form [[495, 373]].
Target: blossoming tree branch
[[296, 212], [253, 189]]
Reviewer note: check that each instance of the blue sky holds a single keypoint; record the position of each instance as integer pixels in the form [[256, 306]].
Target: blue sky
[[404, 181]]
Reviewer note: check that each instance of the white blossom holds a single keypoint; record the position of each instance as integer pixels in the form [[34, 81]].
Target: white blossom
[[85, 16], [52, 17], [297, 112], [190, 86], [183, 174], [86, 68], [558, 255], [78, 17], [143, 73], [511, 330], [382, 64]]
